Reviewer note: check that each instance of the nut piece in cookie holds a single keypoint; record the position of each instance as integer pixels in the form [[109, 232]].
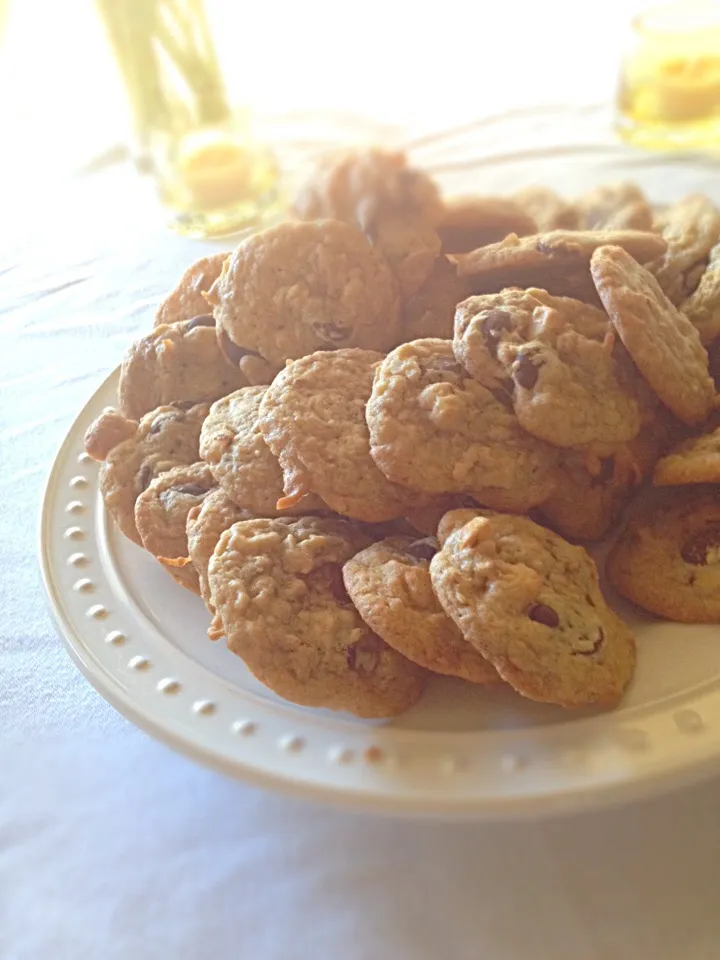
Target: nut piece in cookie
[[615, 206], [313, 419], [555, 357], [531, 604], [430, 311], [365, 186], [471, 222], [205, 525], [278, 591], [557, 261], [165, 438], [548, 209], [242, 463], [107, 431], [663, 343], [702, 307], [667, 559], [178, 362], [161, 515], [187, 300], [300, 287], [435, 429], [389, 583], [695, 460], [691, 228]]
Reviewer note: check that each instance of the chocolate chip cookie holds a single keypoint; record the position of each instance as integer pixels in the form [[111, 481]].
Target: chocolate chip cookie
[[241, 462], [531, 604], [695, 460], [300, 287], [278, 591], [164, 438], [435, 429], [313, 419], [691, 228], [471, 222], [702, 307], [177, 362], [663, 343], [667, 560], [187, 300], [557, 261], [389, 583], [429, 312], [549, 210], [204, 526], [161, 514], [555, 358], [362, 187], [107, 431], [615, 206]]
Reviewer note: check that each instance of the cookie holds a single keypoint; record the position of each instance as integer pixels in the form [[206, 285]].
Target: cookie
[[430, 311], [241, 462], [695, 460], [161, 515], [663, 343], [691, 228], [187, 300], [204, 526], [278, 591], [471, 222], [107, 431], [531, 604], [313, 419], [702, 307], [667, 559], [300, 287], [361, 187], [615, 206], [591, 493], [177, 362], [548, 209], [436, 430], [409, 247], [557, 261], [555, 358], [164, 438], [389, 583]]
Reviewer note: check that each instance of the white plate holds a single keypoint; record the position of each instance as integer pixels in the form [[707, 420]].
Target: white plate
[[462, 751]]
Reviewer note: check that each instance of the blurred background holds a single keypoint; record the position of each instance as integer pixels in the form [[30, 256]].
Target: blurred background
[[312, 72]]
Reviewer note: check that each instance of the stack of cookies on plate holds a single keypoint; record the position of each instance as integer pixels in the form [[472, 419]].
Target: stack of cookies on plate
[[372, 438]]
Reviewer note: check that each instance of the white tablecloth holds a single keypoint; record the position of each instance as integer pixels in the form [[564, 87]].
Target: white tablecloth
[[113, 847]]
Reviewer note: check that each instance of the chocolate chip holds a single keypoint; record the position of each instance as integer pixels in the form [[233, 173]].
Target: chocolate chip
[[607, 469], [332, 332], [598, 641], [191, 489], [363, 656], [204, 320], [145, 476], [696, 549], [233, 353], [159, 422], [332, 578], [493, 326], [503, 398], [525, 373], [541, 613], [424, 549]]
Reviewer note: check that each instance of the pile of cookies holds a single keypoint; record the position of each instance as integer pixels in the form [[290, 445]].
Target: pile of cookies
[[373, 438]]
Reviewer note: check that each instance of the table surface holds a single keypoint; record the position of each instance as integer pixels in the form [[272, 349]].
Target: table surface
[[112, 846]]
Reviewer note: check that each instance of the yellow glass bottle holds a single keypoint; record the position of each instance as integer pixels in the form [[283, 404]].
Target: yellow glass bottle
[[669, 91]]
